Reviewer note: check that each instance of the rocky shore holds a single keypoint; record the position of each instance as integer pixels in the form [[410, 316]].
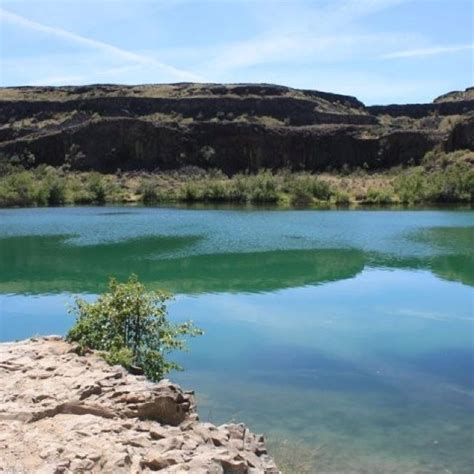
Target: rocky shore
[[61, 412]]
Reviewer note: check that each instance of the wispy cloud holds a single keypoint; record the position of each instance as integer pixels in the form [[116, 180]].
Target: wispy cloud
[[311, 31], [433, 50], [346, 46], [23, 22], [293, 47]]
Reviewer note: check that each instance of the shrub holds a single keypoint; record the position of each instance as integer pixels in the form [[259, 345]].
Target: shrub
[[262, 187], [301, 197], [342, 198], [207, 153], [428, 159], [304, 187], [239, 189], [455, 183], [191, 192], [345, 170], [18, 189], [379, 196], [97, 188], [149, 194], [55, 193], [213, 190], [321, 190], [7, 165], [411, 186], [129, 326]]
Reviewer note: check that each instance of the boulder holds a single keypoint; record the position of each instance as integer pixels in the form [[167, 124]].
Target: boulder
[[62, 412]]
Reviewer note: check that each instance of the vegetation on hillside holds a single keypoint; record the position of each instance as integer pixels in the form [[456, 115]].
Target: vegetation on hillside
[[441, 178], [129, 326]]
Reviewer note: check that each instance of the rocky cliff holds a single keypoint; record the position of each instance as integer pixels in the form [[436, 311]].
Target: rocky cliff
[[232, 127], [61, 412]]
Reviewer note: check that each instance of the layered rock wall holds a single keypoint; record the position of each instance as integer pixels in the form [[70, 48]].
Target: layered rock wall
[[231, 127]]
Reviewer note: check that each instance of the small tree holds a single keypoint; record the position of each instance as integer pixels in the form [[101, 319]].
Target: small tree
[[129, 326]]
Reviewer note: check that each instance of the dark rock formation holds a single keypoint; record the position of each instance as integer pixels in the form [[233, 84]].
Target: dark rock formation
[[419, 111], [231, 127], [461, 136]]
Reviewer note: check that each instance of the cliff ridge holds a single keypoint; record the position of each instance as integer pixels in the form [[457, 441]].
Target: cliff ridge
[[232, 127]]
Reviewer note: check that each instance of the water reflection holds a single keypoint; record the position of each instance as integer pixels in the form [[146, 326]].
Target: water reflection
[[52, 264]]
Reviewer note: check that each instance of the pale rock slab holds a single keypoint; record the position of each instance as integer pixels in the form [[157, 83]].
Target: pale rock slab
[[61, 412]]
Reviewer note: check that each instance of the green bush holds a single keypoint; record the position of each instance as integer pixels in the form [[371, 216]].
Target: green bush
[[301, 197], [239, 189], [19, 189], [455, 183], [56, 194], [214, 190], [429, 158], [129, 326], [191, 192], [411, 186], [321, 190], [379, 196], [304, 187], [342, 198], [262, 188], [97, 188], [148, 192]]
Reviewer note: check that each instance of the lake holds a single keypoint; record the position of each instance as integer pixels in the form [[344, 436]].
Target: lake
[[347, 337]]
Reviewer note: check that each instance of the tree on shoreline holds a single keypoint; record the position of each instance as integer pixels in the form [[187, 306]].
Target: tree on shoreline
[[129, 325]]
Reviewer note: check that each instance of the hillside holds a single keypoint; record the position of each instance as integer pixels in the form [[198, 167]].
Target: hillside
[[235, 127]]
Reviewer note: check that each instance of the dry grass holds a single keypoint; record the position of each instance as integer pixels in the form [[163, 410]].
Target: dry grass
[[175, 91]]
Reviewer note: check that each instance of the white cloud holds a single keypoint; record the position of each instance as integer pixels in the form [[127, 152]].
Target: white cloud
[[310, 31], [325, 45], [23, 22], [293, 48], [433, 50]]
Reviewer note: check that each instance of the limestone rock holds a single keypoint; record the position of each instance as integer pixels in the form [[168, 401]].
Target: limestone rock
[[61, 412]]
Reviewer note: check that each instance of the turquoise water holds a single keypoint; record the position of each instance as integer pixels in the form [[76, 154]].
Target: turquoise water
[[345, 336]]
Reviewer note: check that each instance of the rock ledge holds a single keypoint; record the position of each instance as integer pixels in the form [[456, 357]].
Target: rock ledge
[[61, 413]]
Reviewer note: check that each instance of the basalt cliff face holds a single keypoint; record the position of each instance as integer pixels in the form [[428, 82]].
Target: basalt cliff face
[[65, 413], [242, 127]]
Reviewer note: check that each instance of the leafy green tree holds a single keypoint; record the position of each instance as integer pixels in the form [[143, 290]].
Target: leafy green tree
[[129, 326]]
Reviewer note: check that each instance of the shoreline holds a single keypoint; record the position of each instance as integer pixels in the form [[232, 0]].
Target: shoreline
[[65, 412], [224, 206], [442, 179]]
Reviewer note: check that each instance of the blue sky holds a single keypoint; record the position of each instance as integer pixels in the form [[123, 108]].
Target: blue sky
[[381, 51]]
